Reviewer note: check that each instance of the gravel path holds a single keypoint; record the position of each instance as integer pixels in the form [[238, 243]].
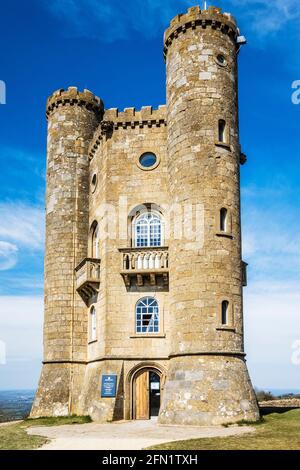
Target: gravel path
[[125, 435]]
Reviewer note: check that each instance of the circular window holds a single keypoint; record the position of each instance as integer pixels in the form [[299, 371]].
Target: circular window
[[220, 59], [148, 160], [94, 182]]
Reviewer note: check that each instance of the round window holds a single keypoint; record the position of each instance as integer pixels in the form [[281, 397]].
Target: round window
[[94, 182], [148, 160], [221, 60]]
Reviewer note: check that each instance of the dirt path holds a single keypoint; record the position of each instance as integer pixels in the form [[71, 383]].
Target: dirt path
[[127, 435]]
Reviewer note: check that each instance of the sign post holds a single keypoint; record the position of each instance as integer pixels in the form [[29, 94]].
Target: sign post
[[108, 386]]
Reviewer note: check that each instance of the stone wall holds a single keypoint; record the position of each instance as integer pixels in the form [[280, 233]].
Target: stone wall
[[122, 186]]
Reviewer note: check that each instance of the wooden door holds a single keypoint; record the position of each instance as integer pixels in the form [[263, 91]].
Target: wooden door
[[142, 395]]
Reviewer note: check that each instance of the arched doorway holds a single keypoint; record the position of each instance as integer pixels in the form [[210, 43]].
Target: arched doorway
[[147, 387]]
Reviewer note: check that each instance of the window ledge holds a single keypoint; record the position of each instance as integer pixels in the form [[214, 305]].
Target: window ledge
[[226, 328], [223, 144], [148, 335], [93, 341], [224, 234]]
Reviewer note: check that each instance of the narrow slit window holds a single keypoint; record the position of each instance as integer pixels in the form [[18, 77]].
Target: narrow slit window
[[225, 306], [223, 219], [95, 242], [93, 324], [222, 130]]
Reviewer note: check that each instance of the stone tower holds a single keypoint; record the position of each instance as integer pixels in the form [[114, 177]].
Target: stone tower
[[72, 120], [207, 373], [156, 313]]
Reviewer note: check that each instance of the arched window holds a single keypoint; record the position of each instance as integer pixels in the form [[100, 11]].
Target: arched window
[[147, 316], [95, 249], [148, 230], [93, 324], [222, 133], [223, 220], [225, 306]]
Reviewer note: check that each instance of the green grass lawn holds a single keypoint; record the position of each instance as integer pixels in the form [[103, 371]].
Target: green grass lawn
[[275, 432], [14, 436]]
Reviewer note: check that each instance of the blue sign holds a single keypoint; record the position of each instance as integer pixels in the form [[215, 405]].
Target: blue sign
[[108, 385]]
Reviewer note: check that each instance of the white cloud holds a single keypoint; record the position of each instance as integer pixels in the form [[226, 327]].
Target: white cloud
[[267, 16], [271, 246], [109, 20], [22, 225], [29, 282], [21, 320], [8, 255], [20, 311], [21, 331], [270, 227], [272, 326]]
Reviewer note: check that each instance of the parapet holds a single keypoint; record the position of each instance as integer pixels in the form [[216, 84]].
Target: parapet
[[72, 96], [197, 18], [114, 119], [130, 117]]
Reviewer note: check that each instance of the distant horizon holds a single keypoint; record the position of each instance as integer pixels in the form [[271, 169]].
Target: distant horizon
[[276, 391], [129, 71]]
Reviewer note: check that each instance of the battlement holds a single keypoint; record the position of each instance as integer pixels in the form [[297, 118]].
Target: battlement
[[128, 118], [73, 96], [195, 18]]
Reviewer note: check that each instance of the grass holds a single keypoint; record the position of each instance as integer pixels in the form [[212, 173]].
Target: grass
[[273, 432], [14, 436]]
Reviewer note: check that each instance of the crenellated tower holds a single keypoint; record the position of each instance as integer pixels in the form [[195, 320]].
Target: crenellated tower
[[72, 119], [207, 381]]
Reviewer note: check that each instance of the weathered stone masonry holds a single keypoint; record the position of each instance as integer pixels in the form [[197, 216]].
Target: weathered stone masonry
[[93, 159]]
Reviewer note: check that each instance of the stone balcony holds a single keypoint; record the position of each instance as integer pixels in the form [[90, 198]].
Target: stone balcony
[[142, 267], [87, 275]]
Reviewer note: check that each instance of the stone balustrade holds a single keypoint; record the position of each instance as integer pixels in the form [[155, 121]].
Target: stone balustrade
[[145, 265]]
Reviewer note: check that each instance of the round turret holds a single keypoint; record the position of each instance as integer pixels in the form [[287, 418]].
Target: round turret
[[72, 97], [73, 117], [207, 356]]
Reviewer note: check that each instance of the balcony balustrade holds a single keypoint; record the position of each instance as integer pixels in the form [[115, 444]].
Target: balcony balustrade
[[145, 266]]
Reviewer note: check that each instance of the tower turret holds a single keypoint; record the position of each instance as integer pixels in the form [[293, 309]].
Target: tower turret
[[207, 381], [72, 119]]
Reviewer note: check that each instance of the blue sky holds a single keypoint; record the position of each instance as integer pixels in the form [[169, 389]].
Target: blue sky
[[114, 48]]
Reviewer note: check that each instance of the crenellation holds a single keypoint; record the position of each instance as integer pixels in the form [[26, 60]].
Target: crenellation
[[129, 115], [129, 118], [195, 17], [72, 96]]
